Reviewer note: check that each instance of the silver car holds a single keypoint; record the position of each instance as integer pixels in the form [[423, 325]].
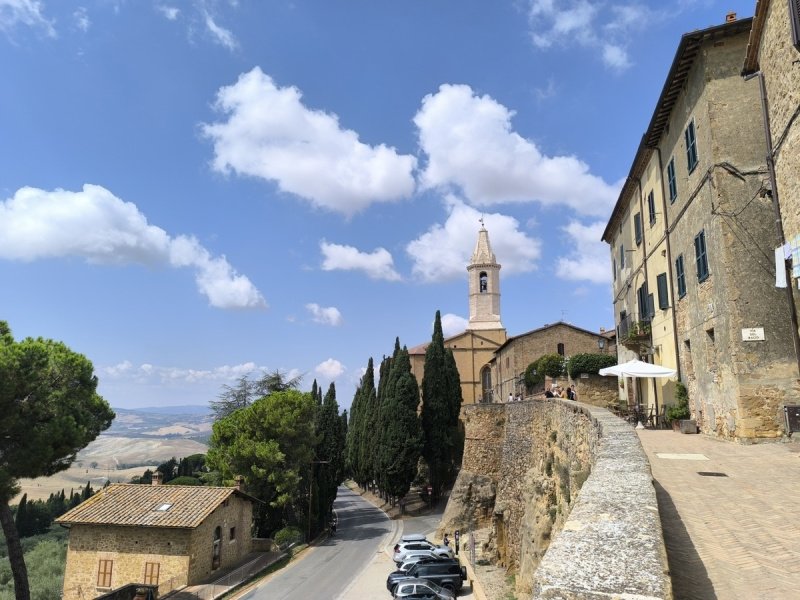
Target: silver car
[[420, 589], [404, 550]]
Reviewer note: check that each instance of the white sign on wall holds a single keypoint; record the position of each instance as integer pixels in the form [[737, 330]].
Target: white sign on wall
[[753, 334]]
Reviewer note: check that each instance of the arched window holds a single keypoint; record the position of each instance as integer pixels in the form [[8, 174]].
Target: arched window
[[561, 348], [484, 281], [486, 383]]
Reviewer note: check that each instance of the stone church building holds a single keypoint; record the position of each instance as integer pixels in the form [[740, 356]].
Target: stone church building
[[490, 363]]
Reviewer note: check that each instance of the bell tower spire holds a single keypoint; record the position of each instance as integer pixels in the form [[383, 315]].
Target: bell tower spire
[[484, 285]]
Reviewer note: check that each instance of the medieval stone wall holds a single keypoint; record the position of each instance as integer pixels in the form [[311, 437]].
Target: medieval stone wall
[[522, 479]]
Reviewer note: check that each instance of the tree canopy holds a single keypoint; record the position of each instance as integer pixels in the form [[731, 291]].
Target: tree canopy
[[247, 390], [49, 410]]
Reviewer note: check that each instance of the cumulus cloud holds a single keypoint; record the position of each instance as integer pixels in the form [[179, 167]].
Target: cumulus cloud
[[150, 373], [81, 18], [377, 265], [589, 260], [326, 315], [453, 324], [170, 12], [219, 34], [95, 225], [330, 369], [470, 144], [269, 133], [591, 24], [445, 249], [28, 13]]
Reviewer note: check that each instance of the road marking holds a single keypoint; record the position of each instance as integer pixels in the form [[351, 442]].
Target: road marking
[[670, 456]]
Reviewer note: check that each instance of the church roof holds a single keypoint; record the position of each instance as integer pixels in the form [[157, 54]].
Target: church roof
[[483, 249]]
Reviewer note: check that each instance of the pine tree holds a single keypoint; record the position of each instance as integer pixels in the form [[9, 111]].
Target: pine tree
[[21, 518]]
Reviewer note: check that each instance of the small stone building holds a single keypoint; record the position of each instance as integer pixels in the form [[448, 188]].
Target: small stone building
[[163, 535]]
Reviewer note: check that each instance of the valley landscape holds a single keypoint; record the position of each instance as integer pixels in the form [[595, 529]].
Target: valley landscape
[[137, 439]]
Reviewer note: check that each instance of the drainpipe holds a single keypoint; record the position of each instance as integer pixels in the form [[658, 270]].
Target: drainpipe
[[644, 269], [669, 263], [776, 204]]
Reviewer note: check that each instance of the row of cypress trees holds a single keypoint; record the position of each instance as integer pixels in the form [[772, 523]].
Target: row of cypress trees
[[388, 433], [36, 516]]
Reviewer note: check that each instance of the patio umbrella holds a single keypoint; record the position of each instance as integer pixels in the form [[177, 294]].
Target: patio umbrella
[[637, 368]]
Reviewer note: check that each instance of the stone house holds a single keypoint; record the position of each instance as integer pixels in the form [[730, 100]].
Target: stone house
[[513, 357], [773, 56], [692, 238], [163, 535]]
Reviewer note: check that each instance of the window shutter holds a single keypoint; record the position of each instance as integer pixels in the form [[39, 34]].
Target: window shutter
[[794, 19], [663, 298], [637, 227]]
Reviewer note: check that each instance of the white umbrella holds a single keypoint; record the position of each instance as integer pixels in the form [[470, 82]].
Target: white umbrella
[[637, 368]]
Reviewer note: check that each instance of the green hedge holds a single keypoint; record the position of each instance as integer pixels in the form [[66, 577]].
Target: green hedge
[[550, 365], [589, 363]]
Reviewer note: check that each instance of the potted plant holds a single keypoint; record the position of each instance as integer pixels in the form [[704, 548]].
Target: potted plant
[[680, 413]]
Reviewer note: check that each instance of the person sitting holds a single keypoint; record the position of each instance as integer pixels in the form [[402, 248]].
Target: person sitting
[[548, 394]]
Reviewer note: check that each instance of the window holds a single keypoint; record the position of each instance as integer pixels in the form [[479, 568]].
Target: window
[[621, 256], [691, 146], [151, 573], [484, 281], [794, 19], [645, 302], [233, 534], [104, 569], [673, 184], [560, 348], [663, 297], [701, 258], [651, 207], [680, 277], [614, 268], [637, 228]]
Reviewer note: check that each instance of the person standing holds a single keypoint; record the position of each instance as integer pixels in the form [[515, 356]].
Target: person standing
[[446, 540], [456, 536], [510, 397]]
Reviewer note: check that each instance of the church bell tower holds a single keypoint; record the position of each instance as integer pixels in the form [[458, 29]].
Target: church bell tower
[[484, 286]]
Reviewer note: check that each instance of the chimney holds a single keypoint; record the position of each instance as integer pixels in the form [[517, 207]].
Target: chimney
[[602, 330], [158, 478], [239, 479], [730, 17]]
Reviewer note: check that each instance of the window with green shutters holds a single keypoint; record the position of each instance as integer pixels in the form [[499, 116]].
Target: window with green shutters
[[680, 277], [663, 296], [701, 257], [651, 207], [691, 146], [637, 228], [673, 184]]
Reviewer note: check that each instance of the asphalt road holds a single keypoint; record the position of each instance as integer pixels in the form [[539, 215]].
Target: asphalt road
[[327, 569]]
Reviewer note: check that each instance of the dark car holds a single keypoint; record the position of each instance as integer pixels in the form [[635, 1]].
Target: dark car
[[420, 589], [448, 574]]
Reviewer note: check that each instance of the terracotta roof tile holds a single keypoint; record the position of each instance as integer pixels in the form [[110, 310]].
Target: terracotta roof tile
[[138, 505]]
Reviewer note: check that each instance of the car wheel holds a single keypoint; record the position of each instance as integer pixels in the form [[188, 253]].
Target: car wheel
[[449, 588]]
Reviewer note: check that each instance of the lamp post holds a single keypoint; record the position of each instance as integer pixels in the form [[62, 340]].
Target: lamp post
[[311, 493], [601, 344]]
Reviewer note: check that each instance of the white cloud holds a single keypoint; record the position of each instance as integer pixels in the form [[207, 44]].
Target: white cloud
[[219, 34], [591, 24], [470, 144], [24, 12], [81, 17], [270, 134], [444, 251], [589, 260], [170, 12], [326, 315], [150, 373], [97, 226], [377, 265], [453, 324], [330, 369]]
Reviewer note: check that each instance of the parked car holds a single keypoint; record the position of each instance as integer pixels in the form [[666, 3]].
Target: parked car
[[421, 558], [448, 574], [409, 538], [403, 550], [419, 588]]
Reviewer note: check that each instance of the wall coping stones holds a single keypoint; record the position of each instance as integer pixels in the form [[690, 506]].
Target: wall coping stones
[[611, 545]]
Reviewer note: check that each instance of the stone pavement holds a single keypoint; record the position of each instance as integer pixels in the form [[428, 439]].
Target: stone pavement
[[728, 514]]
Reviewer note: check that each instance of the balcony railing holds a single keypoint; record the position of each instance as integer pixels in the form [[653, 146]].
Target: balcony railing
[[634, 332]]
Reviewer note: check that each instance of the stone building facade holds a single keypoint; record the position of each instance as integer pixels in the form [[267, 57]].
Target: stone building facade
[[710, 242], [773, 57], [161, 535]]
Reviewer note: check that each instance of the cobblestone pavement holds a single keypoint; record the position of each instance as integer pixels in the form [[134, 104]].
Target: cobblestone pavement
[[729, 515]]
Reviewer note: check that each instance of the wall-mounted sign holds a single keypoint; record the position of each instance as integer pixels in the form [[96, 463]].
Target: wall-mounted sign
[[753, 334]]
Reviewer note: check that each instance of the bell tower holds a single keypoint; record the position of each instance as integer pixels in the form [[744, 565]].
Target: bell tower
[[484, 286]]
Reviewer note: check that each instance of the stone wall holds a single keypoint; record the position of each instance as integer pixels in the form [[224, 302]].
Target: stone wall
[[522, 480], [597, 390]]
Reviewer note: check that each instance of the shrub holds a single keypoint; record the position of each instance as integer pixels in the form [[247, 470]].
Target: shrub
[[184, 480], [550, 365], [288, 535], [681, 409], [589, 363]]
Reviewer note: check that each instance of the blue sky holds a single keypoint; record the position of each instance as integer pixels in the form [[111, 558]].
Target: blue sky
[[192, 191]]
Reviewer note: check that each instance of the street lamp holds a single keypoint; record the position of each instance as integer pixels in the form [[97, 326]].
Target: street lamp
[[601, 343]]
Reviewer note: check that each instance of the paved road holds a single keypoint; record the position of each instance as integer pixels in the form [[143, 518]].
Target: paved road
[[327, 569]]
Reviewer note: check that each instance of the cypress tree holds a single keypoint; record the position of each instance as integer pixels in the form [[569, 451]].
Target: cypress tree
[[353, 433], [367, 409], [439, 419]]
